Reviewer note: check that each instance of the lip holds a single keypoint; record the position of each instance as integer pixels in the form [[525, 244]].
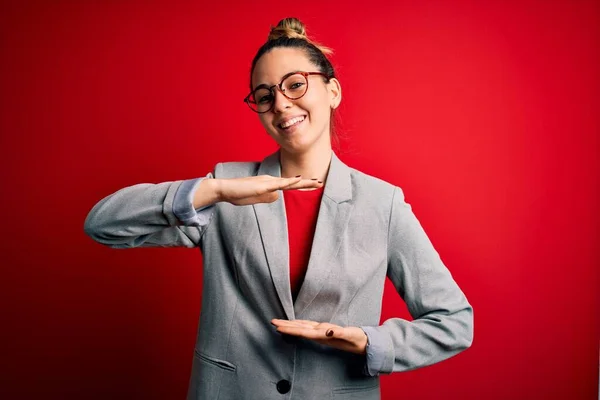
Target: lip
[[282, 120]]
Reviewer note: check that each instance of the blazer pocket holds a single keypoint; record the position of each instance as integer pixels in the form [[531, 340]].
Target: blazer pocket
[[225, 365], [359, 392]]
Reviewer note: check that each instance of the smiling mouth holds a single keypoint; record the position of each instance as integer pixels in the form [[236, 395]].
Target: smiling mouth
[[292, 122]]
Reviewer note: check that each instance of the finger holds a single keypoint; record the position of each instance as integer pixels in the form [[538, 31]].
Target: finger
[[306, 321], [310, 330], [295, 323], [318, 326], [298, 321], [272, 177], [305, 184], [280, 183], [304, 332], [335, 333], [302, 325]]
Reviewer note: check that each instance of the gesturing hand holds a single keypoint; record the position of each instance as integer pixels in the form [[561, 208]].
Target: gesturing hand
[[259, 189], [348, 338]]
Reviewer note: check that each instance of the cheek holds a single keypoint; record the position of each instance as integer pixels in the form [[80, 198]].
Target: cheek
[[318, 104], [265, 120], [319, 111]]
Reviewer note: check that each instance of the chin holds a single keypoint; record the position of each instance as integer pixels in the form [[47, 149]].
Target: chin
[[293, 148], [300, 144]]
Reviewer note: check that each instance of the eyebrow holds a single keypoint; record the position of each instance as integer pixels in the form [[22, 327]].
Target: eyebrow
[[264, 85], [261, 86]]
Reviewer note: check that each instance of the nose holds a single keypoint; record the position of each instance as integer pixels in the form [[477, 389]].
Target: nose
[[280, 102]]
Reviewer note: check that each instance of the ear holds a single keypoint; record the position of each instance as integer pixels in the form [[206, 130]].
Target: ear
[[335, 93]]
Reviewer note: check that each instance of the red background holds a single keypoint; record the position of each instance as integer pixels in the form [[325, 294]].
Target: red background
[[485, 113]]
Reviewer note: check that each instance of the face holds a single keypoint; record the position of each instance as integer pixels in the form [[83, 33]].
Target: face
[[311, 113]]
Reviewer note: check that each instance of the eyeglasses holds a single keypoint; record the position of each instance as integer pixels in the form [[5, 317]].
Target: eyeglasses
[[293, 86]]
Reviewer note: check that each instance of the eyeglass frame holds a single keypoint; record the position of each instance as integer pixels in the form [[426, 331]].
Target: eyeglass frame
[[281, 90]]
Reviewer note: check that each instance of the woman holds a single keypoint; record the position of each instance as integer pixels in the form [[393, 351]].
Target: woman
[[293, 284]]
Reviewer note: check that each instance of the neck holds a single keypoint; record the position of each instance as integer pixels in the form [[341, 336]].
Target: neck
[[313, 163]]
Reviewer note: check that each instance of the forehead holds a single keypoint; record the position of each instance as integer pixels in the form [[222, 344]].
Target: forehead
[[272, 66]]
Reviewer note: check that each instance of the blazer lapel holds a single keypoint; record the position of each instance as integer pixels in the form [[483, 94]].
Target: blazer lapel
[[332, 221], [272, 224]]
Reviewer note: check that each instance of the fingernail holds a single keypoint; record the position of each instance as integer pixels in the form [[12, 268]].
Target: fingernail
[[329, 333]]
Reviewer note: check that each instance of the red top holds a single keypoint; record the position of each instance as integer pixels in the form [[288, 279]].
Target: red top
[[302, 210]]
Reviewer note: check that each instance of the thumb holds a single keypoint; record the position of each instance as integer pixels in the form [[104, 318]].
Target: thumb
[[335, 333]]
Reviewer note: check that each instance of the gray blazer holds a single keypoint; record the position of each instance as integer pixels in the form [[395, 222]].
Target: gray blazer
[[365, 232]]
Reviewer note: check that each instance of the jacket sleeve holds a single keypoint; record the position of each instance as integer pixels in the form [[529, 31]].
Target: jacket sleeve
[[143, 215], [183, 206], [442, 324]]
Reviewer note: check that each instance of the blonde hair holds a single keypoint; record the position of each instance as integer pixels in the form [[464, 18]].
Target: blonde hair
[[294, 28]]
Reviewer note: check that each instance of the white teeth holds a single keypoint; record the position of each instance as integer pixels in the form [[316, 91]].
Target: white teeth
[[291, 122]]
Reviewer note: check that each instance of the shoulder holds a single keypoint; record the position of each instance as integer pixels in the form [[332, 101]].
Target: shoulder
[[373, 199], [371, 186], [375, 192]]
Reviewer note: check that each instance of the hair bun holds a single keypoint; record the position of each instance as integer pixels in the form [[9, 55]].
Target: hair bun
[[293, 28], [288, 27]]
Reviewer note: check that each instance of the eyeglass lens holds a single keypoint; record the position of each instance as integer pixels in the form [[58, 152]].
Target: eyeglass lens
[[293, 87]]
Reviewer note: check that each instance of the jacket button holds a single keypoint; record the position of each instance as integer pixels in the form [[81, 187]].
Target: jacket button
[[283, 386]]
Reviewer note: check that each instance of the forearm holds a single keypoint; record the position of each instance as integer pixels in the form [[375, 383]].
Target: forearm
[[140, 215], [403, 345]]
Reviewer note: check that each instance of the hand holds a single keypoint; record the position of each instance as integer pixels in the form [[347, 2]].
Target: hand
[[348, 338], [259, 189]]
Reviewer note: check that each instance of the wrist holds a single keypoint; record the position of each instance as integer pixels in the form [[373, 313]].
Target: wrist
[[216, 189], [364, 343], [361, 341], [207, 193]]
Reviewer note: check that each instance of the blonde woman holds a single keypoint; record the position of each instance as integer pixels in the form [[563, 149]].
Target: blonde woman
[[296, 250]]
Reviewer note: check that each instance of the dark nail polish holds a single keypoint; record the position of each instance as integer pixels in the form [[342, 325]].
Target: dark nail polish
[[329, 333]]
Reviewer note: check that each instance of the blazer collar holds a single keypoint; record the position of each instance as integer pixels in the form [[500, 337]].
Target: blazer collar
[[338, 186], [334, 213]]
